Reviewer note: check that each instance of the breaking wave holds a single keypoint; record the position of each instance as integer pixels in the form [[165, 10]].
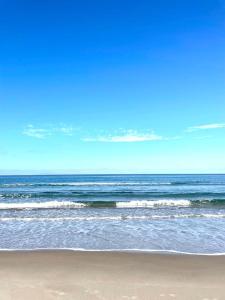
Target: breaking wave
[[108, 204]]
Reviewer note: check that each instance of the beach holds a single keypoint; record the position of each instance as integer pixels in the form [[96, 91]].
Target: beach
[[114, 237], [64, 274]]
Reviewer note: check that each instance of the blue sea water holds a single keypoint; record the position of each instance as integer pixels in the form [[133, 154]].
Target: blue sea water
[[183, 213]]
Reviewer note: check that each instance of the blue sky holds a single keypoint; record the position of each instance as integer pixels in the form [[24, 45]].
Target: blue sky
[[112, 86]]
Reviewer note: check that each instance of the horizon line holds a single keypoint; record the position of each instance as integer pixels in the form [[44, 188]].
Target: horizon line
[[106, 174]]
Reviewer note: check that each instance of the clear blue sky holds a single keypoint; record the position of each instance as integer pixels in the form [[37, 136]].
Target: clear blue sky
[[112, 86]]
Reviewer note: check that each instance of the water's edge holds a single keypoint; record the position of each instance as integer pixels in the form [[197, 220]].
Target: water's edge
[[136, 251]]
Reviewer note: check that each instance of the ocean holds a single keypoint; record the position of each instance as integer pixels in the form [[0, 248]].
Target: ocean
[[177, 213]]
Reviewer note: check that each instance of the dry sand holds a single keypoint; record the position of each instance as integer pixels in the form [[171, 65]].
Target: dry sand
[[71, 275]]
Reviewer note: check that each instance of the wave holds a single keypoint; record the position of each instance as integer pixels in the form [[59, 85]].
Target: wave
[[97, 204], [198, 183], [41, 205], [130, 204], [108, 183], [118, 194], [94, 183], [121, 183], [108, 204]]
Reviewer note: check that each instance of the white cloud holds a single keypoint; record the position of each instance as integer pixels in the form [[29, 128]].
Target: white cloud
[[38, 133], [128, 137], [206, 126], [41, 133]]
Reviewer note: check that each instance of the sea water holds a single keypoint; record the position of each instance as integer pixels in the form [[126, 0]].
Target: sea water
[[182, 213]]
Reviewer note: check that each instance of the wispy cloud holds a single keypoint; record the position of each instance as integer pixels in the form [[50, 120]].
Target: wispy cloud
[[41, 133], [126, 137], [206, 126]]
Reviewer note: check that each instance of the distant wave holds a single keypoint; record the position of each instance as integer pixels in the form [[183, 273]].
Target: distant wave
[[121, 183], [198, 183], [94, 183], [118, 194]]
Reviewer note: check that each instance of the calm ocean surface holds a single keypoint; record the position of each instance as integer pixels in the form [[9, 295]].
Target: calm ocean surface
[[184, 213]]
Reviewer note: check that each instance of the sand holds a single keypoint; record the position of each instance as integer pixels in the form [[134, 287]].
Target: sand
[[72, 275]]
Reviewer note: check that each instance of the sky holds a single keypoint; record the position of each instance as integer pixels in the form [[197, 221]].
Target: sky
[[116, 86]]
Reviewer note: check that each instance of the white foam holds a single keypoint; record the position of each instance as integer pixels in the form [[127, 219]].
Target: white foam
[[15, 184], [153, 203], [92, 183], [103, 183], [70, 204], [36, 205], [110, 218], [53, 219]]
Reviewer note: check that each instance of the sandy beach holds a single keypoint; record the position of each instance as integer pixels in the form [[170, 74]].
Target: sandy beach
[[110, 275]]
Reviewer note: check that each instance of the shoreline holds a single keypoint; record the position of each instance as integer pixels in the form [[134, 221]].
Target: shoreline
[[69, 274], [128, 251]]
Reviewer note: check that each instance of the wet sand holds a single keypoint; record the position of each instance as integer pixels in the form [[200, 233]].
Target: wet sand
[[72, 275]]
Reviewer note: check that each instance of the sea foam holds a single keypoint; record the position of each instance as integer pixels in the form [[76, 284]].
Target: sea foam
[[39, 205], [153, 203]]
